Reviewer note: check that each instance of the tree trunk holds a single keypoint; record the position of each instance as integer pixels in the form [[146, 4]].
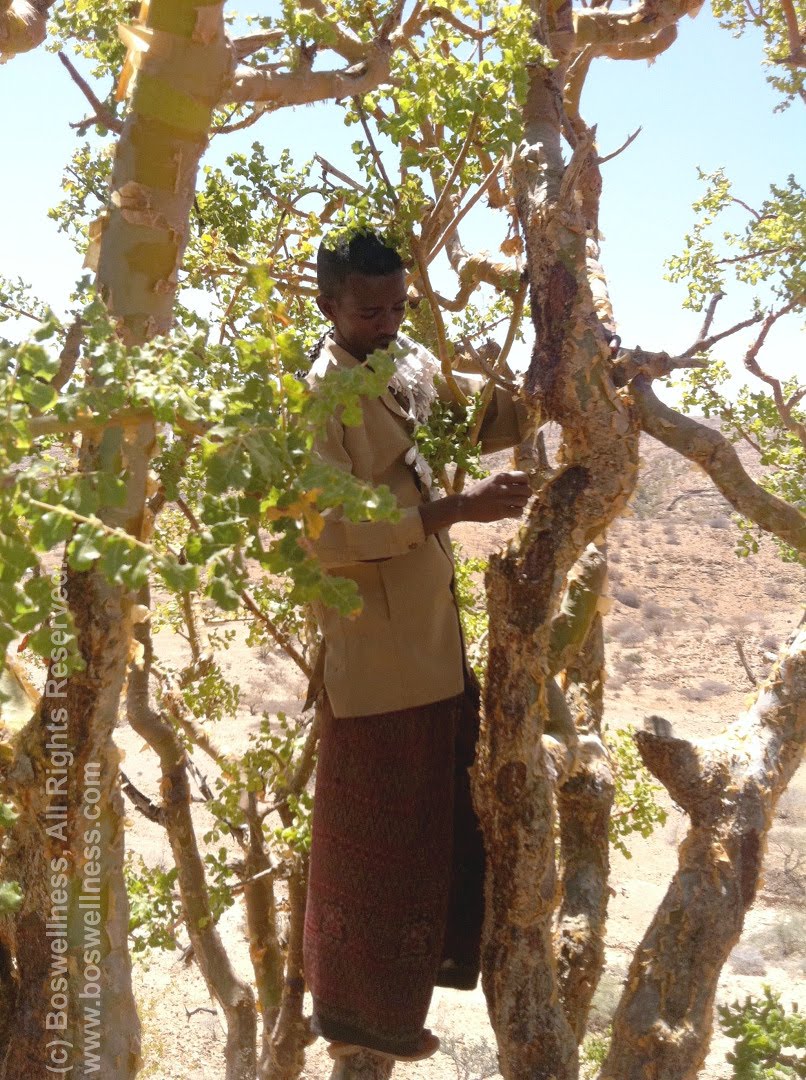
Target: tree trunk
[[137, 246], [569, 381]]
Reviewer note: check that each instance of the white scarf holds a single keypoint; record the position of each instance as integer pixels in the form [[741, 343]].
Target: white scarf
[[416, 369]]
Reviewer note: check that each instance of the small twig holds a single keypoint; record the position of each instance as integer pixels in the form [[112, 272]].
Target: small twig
[[709, 315], [103, 114], [740, 202], [376, 154], [345, 179], [628, 142], [146, 807], [476, 33], [201, 1008], [240, 125], [241, 885], [745, 665], [694, 493], [492, 374], [794, 425], [704, 344]]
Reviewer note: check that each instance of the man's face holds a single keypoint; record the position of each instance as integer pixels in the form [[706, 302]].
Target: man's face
[[368, 312]]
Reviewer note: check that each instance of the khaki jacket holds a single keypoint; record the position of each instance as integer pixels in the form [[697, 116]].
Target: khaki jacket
[[405, 647]]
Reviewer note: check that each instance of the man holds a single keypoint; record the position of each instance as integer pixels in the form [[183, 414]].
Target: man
[[395, 897]]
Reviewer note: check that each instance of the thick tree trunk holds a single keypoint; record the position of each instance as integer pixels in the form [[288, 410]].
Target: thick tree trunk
[[137, 246], [569, 380], [729, 786]]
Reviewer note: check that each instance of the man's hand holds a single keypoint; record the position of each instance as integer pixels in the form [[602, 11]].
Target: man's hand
[[501, 496]]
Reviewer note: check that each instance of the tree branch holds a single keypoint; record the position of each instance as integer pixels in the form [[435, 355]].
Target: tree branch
[[304, 87], [605, 29], [245, 46], [784, 407], [712, 452], [797, 56], [103, 114], [454, 225], [146, 807]]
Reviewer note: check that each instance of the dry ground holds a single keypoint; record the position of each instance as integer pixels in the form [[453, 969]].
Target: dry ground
[[682, 601]]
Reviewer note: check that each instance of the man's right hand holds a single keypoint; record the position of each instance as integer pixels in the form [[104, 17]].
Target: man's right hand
[[503, 495]]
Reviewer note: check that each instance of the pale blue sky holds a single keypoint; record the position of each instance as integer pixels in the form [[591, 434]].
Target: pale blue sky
[[705, 102]]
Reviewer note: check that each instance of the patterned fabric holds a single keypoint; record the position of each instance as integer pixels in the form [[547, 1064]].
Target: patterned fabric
[[396, 873]]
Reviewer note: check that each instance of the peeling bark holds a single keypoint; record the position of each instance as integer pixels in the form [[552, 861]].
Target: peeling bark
[[729, 786]]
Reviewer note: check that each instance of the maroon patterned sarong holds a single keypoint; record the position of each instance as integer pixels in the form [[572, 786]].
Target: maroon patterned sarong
[[395, 895]]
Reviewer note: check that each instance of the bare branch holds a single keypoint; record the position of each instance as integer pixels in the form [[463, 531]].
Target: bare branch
[[435, 216], [628, 142], [376, 154], [704, 344], [745, 665], [474, 32], [240, 125], [709, 315], [345, 179], [712, 452], [146, 807], [103, 114], [788, 418], [491, 373]]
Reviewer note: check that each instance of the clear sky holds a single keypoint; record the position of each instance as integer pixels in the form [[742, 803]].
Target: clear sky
[[705, 102]]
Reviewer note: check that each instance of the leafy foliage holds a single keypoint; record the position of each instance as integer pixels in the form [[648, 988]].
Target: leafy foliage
[[155, 911], [767, 249], [788, 79], [751, 415], [635, 807], [472, 609], [770, 1040]]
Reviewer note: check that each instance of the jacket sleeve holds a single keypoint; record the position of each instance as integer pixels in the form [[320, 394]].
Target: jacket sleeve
[[506, 422], [342, 542]]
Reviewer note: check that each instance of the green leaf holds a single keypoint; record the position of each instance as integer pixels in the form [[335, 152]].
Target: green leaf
[[179, 577], [83, 549]]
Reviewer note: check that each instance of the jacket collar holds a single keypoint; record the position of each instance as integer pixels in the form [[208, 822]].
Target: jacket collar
[[333, 354]]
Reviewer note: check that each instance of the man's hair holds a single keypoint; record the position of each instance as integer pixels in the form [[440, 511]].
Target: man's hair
[[357, 253]]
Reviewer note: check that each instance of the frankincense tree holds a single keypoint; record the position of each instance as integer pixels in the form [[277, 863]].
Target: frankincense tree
[[166, 447]]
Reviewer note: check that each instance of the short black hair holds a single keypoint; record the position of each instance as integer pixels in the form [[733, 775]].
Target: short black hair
[[356, 253]]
